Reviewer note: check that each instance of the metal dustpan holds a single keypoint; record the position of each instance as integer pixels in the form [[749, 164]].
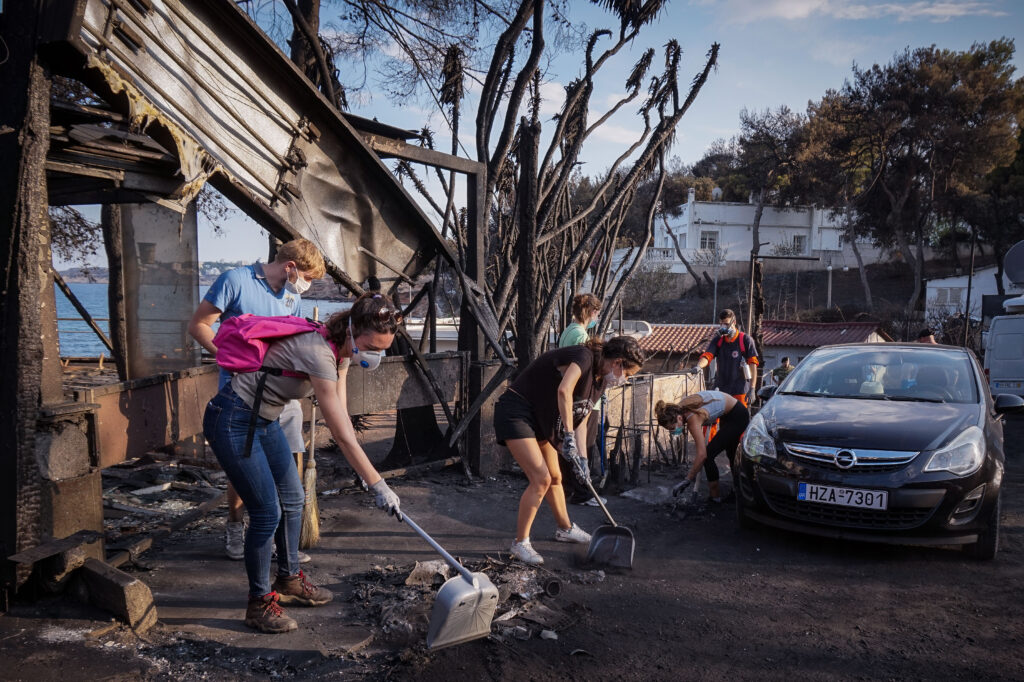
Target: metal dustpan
[[612, 545], [463, 607]]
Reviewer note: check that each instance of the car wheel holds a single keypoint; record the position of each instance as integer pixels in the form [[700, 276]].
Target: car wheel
[[988, 539]]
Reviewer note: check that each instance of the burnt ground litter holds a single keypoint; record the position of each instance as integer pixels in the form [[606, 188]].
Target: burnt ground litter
[[705, 599]]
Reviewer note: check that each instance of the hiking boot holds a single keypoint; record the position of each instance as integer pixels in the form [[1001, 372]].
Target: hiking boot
[[524, 552], [574, 534], [303, 557], [296, 589], [234, 540], [265, 615]]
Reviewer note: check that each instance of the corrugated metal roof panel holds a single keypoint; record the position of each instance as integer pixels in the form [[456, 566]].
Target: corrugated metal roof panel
[[678, 338]]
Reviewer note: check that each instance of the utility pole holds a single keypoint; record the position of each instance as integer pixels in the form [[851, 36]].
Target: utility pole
[[828, 303], [970, 281]]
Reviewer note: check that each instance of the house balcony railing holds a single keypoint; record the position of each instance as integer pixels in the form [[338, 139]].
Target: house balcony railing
[[660, 254]]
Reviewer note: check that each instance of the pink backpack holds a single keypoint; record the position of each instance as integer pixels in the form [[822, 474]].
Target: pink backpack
[[242, 341], [242, 344]]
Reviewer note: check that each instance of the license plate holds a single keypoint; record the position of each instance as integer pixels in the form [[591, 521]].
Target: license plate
[[1007, 384], [843, 497]]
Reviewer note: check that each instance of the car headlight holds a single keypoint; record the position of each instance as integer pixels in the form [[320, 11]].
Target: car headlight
[[756, 441], [963, 456]]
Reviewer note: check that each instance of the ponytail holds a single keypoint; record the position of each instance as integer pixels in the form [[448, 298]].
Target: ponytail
[[668, 413]]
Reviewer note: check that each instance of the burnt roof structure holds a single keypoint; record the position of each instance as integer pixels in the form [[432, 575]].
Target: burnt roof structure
[[195, 93]]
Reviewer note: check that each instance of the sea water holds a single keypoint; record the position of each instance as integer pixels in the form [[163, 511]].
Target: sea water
[[77, 339]]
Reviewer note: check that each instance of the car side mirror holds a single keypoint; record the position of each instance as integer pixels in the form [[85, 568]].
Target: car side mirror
[[1007, 403], [767, 392]]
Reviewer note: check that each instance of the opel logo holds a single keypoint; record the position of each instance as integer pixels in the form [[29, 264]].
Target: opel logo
[[845, 459]]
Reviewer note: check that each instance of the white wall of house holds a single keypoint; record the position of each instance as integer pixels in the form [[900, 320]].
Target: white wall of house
[[727, 226], [948, 295]]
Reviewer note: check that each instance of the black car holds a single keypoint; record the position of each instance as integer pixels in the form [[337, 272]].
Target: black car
[[888, 442]]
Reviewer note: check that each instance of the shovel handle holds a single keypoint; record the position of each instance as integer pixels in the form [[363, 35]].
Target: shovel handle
[[598, 498], [463, 571]]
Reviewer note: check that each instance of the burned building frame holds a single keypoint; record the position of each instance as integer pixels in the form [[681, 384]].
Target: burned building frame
[[197, 94]]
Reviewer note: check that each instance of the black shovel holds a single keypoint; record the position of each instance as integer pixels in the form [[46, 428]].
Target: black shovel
[[612, 545]]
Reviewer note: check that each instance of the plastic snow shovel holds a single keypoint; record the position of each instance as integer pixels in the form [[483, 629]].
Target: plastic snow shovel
[[612, 545], [463, 607]]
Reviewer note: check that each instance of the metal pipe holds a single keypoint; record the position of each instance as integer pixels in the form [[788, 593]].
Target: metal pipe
[[81, 310]]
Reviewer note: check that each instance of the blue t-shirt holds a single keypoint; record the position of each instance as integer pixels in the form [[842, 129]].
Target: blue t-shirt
[[245, 290]]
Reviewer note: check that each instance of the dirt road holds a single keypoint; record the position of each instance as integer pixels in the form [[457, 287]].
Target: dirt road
[[705, 600]]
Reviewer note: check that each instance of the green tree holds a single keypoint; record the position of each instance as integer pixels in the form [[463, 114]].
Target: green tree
[[997, 211], [927, 127]]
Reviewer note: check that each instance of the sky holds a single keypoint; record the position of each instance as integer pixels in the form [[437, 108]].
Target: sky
[[773, 52]]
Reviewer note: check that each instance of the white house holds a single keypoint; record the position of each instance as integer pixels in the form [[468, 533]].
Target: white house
[[705, 228], [948, 295]]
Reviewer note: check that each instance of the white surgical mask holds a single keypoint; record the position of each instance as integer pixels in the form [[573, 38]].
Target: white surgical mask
[[299, 286], [367, 359], [611, 379]]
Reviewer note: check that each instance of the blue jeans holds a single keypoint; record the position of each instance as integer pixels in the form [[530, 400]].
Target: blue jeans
[[267, 481]]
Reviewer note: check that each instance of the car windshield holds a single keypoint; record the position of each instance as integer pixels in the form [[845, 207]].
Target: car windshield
[[897, 373]]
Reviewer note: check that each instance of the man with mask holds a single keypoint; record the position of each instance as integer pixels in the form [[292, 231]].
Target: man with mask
[[272, 289], [736, 356]]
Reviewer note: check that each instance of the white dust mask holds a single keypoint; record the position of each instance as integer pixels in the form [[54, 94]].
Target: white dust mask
[[367, 359], [611, 379], [299, 286]]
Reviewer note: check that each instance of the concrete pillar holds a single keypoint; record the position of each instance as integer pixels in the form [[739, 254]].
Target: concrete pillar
[[161, 286]]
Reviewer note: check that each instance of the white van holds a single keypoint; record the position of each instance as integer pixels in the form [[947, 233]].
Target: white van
[[1004, 350]]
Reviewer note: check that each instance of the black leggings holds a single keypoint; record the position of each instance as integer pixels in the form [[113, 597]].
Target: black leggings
[[731, 426]]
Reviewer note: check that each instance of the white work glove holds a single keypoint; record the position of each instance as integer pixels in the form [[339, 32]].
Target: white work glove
[[678, 489], [387, 499], [572, 454]]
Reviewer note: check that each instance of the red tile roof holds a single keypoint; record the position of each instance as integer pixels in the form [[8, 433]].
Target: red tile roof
[[677, 338], [814, 334]]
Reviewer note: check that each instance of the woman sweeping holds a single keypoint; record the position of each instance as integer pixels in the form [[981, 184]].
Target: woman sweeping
[[696, 411], [558, 388], [314, 363]]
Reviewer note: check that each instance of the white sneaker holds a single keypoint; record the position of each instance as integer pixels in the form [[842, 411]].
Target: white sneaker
[[593, 503], [525, 552], [234, 540], [303, 557], [574, 534]]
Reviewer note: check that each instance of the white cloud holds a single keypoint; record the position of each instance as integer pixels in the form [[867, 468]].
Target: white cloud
[[747, 11], [837, 52], [622, 135], [614, 98], [552, 97]]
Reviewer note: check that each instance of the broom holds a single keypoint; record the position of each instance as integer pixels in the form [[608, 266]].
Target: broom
[[310, 533]]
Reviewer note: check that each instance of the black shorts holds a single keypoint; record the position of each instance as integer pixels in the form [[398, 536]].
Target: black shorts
[[513, 418]]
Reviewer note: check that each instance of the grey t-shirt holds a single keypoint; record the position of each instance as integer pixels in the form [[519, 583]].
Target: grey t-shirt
[[714, 403], [308, 353]]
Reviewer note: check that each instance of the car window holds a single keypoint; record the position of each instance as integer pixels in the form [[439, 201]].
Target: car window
[[930, 375]]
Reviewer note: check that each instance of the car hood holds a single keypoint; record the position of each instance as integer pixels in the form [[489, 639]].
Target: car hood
[[866, 424]]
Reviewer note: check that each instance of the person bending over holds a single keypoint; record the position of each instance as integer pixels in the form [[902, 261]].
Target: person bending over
[[266, 478], [547, 406], [693, 413]]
